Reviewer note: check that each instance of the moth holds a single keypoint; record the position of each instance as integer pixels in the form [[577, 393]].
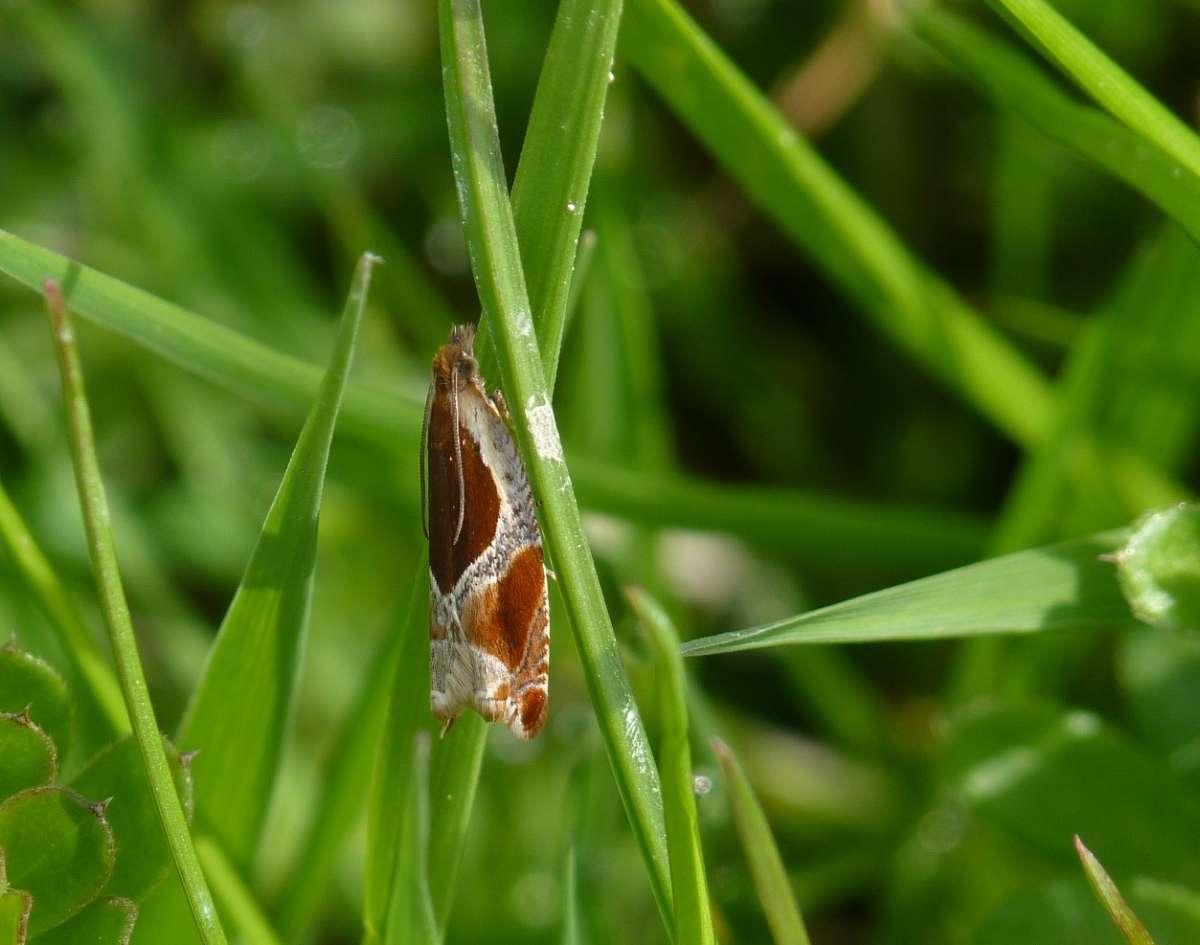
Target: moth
[[489, 621]]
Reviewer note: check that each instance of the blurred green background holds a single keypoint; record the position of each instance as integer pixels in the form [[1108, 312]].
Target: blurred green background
[[236, 158]]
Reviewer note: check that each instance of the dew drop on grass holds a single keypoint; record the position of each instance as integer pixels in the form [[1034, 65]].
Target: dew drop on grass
[[701, 784], [571, 208]]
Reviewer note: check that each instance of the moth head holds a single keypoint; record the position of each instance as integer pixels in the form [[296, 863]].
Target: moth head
[[454, 366]]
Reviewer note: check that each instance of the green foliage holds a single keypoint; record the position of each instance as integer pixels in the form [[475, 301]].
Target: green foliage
[[849, 354], [237, 716], [1159, 568], [1114, 903]]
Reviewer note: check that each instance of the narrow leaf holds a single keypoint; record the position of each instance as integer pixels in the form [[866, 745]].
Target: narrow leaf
[[1017, 84], [237, 902], [238, 715], [1103, 79], [96, 519], [789, 521], [1059, 587], [791, 183], [1110, 897], [411, 920], [758, 846], [496, 263], [689, 885]]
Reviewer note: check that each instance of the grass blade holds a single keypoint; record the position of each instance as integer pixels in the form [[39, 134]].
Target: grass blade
[[758, 846], [237, 902], [786, 178], [392, 782], [102, 716], [1103, 79], [1110, 897], [788, 521], [1059, 587], [102, 550], [550, 190], [689, 886], [238, 714], [1014, 83], [496, 261], [411, 920]]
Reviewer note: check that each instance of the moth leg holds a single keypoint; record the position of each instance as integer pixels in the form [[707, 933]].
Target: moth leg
[[501, 405]]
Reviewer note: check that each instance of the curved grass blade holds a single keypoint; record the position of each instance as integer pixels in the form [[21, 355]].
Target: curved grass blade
[[1014, 83], [689, 885], [789, 181], [1059, 587], [238, 714], [103, 553], [758, 845], [1100, 77], [496, 262]]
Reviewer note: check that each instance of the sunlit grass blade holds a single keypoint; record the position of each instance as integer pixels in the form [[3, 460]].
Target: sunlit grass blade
[[550, 189], [238, 904], [1103, 79], [817, 209], [1110, 897], [1017, 84], [689, 884], [211, 350], [102, 714], [238, 715], [102, 549], [758, 846], [496, 261], [788, 521], [1059, 587]]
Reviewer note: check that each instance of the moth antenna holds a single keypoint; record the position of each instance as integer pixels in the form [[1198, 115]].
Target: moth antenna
[[462, 489], [424, 458]]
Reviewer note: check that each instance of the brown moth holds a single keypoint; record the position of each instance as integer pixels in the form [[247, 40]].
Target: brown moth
[[489, 622]]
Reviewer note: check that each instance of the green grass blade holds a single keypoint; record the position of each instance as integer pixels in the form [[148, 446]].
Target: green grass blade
[[238, 715], [550, 190], [1015, 83], [1110, 897], [758, 846], [237, 902], [786, 178], [496, 261], [342, 793], [411, 919], [788, 521], [102, 714], [1103, 79], [689, 885], [392, 782], [102, 549], [1059, 587]]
